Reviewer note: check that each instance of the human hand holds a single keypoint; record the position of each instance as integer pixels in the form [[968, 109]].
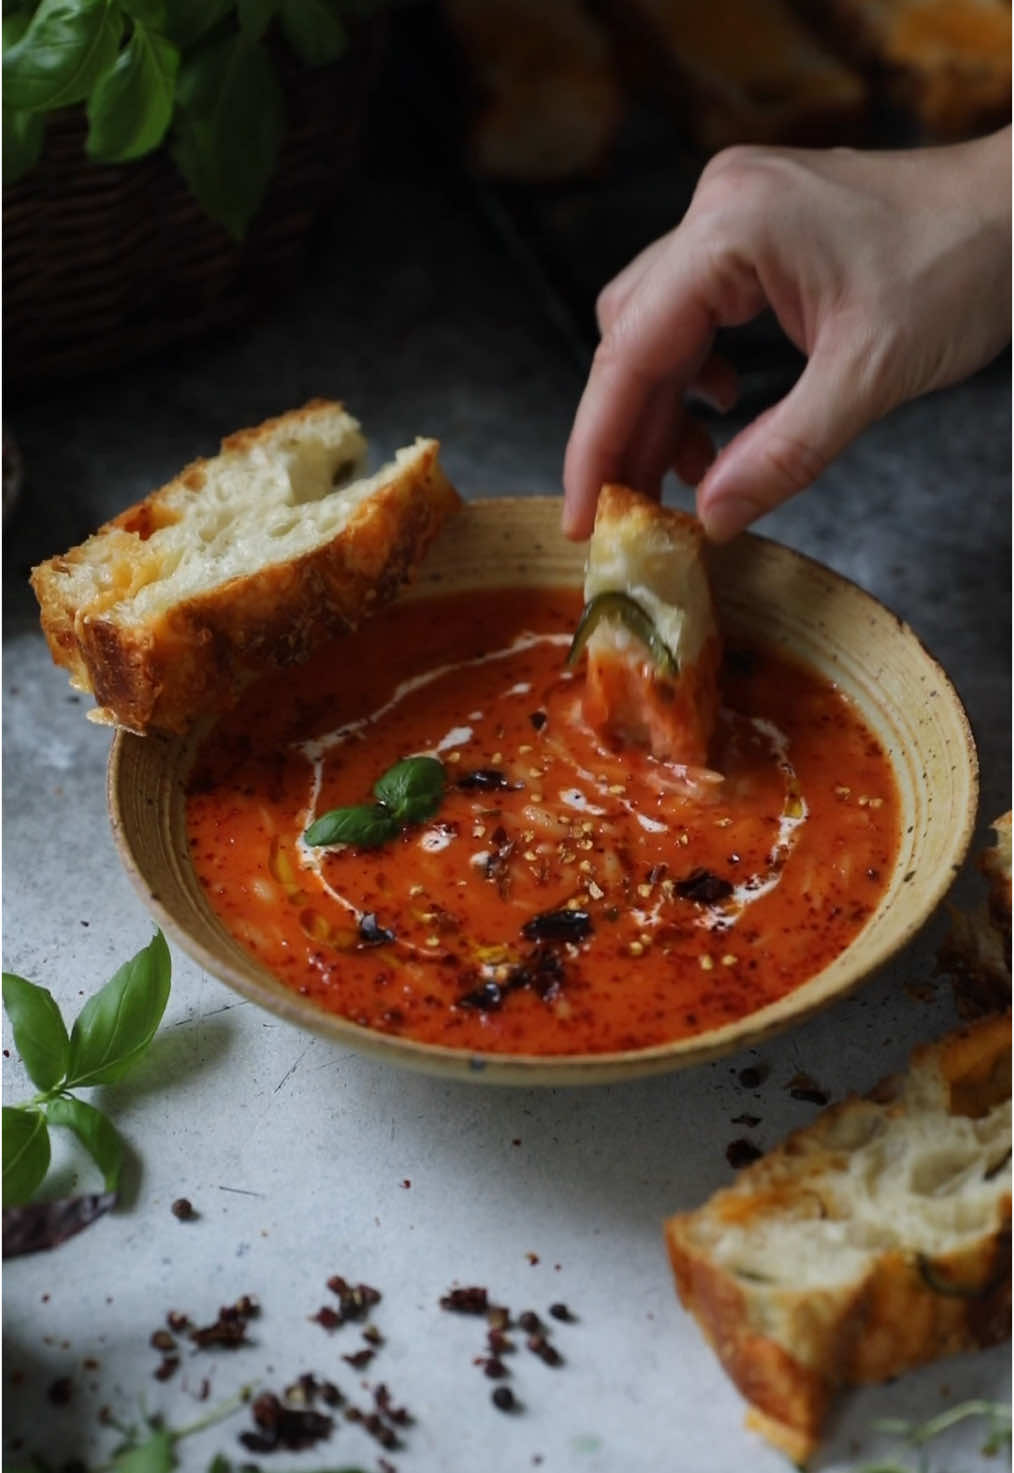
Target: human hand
[[890, 271]]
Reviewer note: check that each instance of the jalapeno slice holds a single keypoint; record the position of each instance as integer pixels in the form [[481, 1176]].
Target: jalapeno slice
[[621, 606]]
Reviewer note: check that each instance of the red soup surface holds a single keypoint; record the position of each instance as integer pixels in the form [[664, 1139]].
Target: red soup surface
[[565, 897]]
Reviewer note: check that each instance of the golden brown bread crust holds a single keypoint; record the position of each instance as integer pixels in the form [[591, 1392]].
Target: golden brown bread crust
[[740, 71], [946, 62], [787, 1348], [160, 675]]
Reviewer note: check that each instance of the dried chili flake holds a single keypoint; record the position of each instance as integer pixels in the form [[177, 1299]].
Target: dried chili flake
[[741, 1153], [354, 1299], [529, 1321], [485, 779], [802, 1087], [400, 1416], [561, 1312], [168, 1366], [703, 887], [229, 1330], [558, 925], [360, 1359], [183, 1209], [327, 1318], [753, 1076], [60, 1391], [538, 719], [493, 1367], [471, 1300], [504, 1399], [279, 1426], [544, 1349]]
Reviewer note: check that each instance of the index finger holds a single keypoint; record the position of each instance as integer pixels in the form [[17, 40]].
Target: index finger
[[664, 330]]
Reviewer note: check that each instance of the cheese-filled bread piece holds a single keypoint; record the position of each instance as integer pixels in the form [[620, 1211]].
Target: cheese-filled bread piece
[[243, 563], [649, 628], [874, 1240]]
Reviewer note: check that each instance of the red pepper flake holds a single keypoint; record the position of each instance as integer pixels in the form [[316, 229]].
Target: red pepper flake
[[802, 1087], [183, 1209], [168, 1366], [472, 1300], [406, 1183], [400, 1416], [327, 1318], [229, 1330], [353, 1299], [544, 1349], [493, 1367], [162, 1340], [360, 1359], [561, 1312], [61, 1391], [178, 1321], [753, 1076], [740, 1153], [279, 1426], [504, 1399], [533, 1258], [529, 1321]]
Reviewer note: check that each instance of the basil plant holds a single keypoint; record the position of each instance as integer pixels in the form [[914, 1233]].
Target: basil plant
[[196, 75]]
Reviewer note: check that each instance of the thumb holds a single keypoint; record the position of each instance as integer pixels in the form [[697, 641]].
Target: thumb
[[785, 449]]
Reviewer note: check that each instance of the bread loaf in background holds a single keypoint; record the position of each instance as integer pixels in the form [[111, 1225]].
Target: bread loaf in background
[[944, 63], [546, 100], [243, 563], [871, 1242], [740, 71]]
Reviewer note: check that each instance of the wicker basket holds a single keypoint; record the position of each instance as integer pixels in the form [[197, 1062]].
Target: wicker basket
[[105, 262]]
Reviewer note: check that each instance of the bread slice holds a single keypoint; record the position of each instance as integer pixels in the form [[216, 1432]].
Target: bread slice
[[741, 71], [241, 564], [655, 556], [946, 62], [548, 102], [874, 1240]]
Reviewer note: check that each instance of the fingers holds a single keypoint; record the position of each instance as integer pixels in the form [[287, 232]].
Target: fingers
[[659, 317], [785, 449]]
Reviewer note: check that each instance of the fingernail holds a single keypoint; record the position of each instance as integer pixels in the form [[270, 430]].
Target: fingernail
[[723, 518]]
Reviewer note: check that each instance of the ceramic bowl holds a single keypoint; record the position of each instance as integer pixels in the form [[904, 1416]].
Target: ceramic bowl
[[762, 589]]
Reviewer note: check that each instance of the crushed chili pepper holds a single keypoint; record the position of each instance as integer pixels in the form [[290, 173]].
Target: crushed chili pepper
[[472, 1300]]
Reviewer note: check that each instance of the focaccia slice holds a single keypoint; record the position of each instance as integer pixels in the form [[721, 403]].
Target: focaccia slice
[[653, 558], [243, 563], [873, 1241]]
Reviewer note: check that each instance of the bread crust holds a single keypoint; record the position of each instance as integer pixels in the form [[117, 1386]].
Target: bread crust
[[194, 659], [789, 1349]]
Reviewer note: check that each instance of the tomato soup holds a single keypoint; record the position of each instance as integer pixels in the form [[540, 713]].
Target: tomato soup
[[565, 897]]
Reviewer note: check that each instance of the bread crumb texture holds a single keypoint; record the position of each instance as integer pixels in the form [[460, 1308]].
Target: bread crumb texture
[[871, 1242], [243, 563]]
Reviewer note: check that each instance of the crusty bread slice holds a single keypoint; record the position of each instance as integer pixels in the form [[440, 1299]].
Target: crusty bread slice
[[655, 556], [873, 1241], [241, 564]]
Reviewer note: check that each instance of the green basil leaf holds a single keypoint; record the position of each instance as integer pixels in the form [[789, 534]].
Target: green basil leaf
[[367, 827], [115, 1026], [154, 1455], [413, 789], [255, 16], [314, 30], [66, 48], [23, 138], [96, 1133], [25, 1153], [39, 1030], [229, 128], [190, 20], [131, 107]]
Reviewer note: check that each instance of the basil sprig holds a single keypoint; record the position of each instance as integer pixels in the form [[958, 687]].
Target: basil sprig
[[615, 605], [197, 75], [112, 1031], [409, 792]]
